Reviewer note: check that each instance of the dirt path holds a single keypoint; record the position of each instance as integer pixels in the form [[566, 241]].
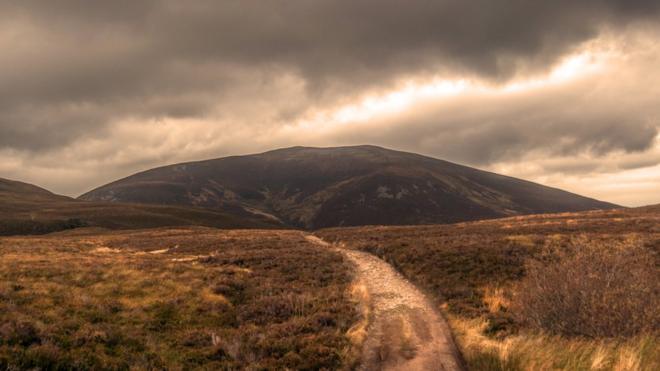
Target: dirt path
[[405, 331]]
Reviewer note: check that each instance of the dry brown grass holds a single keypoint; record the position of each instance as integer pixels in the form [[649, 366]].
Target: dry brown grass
[[533, 351], [208, 299], [495, 299], [357, 334], [474, 271], [590, 289]]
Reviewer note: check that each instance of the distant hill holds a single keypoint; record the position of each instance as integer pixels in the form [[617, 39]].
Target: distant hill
[[15, 194], [343, 186], [28, 209]]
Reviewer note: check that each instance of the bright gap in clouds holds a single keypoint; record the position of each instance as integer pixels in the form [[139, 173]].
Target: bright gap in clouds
[[610, 179], [573, 67]]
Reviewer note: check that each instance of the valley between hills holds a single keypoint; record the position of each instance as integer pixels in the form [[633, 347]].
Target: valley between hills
[[342, 258]]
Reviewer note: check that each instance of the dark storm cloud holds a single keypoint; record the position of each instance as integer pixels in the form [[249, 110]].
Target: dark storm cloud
[[92, 91], [69, 68]]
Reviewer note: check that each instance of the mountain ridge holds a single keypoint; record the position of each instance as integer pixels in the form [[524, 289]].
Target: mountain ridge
[[312, 187], [29, 209]]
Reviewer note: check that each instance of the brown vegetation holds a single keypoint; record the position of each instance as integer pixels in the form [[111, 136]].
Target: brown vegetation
[[475, 271], [591, 290], [183, 298], [29, 210], [313, 188], [28, 227]]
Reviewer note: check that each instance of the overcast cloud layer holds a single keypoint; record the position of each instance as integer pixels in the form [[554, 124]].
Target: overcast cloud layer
[[562, 92]]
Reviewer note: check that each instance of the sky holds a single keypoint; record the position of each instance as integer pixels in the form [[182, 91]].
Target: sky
[[565, 93]]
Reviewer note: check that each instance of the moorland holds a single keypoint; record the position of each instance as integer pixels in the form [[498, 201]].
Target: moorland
[[182, 298], [557, 291], [221, 265], [562, 291]]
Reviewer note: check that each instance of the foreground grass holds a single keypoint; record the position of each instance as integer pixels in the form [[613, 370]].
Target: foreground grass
[[533, 351], [473, 270], [175, 299]]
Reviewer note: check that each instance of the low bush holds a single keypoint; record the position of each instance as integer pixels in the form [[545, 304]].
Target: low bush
[[591, 289]]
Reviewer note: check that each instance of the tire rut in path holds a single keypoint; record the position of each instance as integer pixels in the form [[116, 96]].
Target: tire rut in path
[[405, 331]]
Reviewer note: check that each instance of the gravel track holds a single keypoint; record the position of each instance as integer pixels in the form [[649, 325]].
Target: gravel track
[[405, 331]]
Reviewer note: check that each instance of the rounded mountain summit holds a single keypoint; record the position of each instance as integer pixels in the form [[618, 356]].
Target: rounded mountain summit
[[342, 186]]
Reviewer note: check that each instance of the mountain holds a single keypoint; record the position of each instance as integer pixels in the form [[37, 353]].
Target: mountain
[[28, 209], [14, 193], [343, 186]]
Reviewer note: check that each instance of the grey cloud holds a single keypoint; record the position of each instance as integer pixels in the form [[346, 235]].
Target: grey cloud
[[121, 57], [586, 118], [74, 74]]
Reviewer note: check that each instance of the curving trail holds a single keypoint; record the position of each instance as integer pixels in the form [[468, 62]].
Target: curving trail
[[405, 331]]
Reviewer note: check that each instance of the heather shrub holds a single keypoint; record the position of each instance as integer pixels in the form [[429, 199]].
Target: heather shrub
[[591, 289], [9, 227], [181, 299], [473, 270]]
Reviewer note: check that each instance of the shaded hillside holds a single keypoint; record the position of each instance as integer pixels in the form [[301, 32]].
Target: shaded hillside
[[16, 195], [344, 186], [28, 209]]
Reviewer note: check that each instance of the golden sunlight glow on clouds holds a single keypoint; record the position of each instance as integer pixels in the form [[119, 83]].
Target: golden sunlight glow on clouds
[[564, 93], [576, 66], [167, 139], [630, 180]]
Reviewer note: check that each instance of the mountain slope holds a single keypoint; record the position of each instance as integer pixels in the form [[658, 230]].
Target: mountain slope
[[14, 194], [322, 187], [28, 209]]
